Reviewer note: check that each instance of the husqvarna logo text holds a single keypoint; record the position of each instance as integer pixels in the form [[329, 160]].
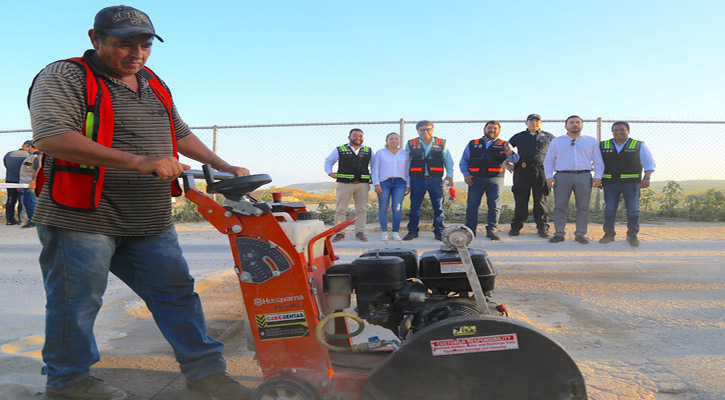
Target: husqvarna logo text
[[260, 301]]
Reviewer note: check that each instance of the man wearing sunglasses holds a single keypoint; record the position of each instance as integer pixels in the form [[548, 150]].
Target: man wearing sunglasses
[[568, 165]]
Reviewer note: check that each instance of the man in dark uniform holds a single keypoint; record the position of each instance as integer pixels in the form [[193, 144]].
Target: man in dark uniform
[[529, 177]]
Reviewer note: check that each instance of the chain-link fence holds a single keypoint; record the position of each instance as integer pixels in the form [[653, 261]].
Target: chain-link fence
[[294, 153]]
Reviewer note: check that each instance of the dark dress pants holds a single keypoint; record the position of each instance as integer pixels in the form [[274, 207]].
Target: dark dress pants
[[527, 181]]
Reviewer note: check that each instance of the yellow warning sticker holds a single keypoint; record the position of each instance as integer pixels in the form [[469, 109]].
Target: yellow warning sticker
[[284, 325]]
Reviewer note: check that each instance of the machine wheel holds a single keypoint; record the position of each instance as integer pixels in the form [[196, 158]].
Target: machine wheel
[[285, 388]]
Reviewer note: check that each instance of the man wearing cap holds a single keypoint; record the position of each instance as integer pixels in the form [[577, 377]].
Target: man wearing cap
[[111, 142], [353, 181], [12, 161], [624, 159], [529, 177], [573, 157]]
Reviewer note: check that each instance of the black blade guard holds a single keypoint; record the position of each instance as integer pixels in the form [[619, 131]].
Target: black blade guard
[[469, 358]]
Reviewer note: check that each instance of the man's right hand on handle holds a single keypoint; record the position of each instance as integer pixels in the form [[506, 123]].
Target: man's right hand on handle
[[164, 168]]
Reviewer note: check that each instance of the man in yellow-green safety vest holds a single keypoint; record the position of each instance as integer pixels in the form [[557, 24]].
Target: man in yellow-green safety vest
[[353, 180], [624, 159]]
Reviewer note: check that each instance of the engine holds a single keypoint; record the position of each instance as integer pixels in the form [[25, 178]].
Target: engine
[[395, 290]]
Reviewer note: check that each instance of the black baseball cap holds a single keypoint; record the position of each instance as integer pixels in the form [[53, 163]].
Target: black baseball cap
[[124, 21], [532, 116]]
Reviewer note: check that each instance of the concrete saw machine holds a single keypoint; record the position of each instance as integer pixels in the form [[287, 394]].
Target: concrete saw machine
[[449, 338]]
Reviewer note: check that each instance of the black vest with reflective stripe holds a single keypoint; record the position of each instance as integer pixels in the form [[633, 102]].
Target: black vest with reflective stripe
[[432, 164], [353, 167], [486, 162], [625, 166]]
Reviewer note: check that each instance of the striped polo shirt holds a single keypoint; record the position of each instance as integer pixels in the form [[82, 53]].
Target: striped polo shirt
[[132, 204]]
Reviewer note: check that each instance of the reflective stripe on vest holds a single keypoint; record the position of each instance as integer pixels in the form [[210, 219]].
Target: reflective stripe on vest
[[495, 170]]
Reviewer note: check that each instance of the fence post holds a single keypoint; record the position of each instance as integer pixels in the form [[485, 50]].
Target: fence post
[[216, 139], [402, 133], [597, 200]]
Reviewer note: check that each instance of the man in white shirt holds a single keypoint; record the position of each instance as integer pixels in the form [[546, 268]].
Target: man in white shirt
[[568, 167], [353, 180]]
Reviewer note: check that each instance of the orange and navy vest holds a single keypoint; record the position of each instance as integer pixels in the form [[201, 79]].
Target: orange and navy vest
[[79, 187], [486, 162], [422, 165], [353, 167], [625, 166]]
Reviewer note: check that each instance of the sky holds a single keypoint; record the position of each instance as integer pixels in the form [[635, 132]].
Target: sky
[[263, 62], [244, 62]]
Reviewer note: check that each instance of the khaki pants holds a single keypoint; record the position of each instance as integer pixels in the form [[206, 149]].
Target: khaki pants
[[359, 192]]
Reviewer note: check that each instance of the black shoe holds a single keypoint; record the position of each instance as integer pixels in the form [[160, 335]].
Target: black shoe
[[11, 223], [410, 236], [438, 236], [581, 239], [543, 233], [633, 241], [493, 235], [556, 239], [89, 388], [607, 238], [514, 232], [220, 387]]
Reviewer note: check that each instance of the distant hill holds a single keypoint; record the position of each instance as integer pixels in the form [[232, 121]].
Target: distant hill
[[693, 186]]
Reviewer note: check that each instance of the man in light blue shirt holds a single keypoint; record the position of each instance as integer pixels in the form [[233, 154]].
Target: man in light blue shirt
[[429, 156], [482, 169], [624, 159]]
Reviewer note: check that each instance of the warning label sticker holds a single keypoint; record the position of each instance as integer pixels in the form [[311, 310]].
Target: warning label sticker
[[452, 267], [282, 325], [476, 344]]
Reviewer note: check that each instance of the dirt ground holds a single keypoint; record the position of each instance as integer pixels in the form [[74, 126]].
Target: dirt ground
[[641, 323]]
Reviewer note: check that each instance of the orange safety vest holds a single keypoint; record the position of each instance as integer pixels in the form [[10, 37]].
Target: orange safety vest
[[79, 187]]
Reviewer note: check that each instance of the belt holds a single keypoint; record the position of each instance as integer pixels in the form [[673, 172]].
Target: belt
[[578, 171]]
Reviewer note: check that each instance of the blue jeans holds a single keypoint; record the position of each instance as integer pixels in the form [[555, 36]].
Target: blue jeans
[[492, 188], [434, 187], [75, 268], [395, 188], [612, 192], [29, 198]]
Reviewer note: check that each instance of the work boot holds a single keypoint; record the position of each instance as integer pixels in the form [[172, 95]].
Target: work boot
[[556, 239], [220, 387], [607, 238], [544, 233], [493, 235], [581, 239], [410, 236], [633, 241], [438, 236], [514, 232], [89, 388], [338, 237], [361, 236]]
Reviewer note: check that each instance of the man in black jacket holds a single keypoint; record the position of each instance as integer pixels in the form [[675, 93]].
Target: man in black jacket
[[529, 177]]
